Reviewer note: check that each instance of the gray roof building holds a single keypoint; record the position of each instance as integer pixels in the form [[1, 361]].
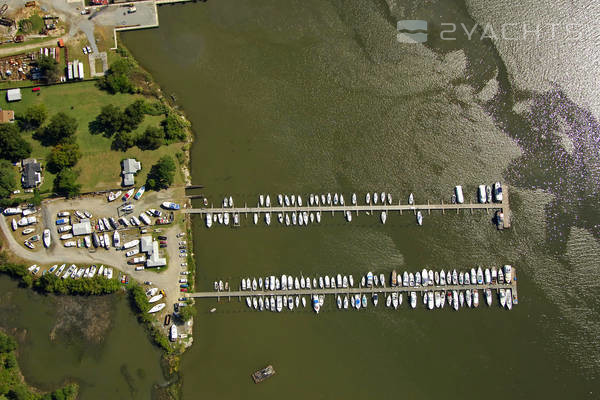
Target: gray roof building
[[13, 94], [129, 167], [32, 173], [154, 260], [82, 228], [146, 245]]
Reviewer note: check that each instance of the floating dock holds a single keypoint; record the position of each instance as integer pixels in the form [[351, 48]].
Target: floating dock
[[503, 206], [359, 290]]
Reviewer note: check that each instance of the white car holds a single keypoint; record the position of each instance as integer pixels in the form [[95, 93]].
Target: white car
[[84, 50], [64, 214], [184, 264]]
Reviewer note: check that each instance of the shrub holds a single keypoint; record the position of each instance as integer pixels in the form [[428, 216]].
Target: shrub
[[12, 146], [33, 117], [151, 139], [61, 129], [65, 183], [175, 128], [63, 156], [8, 178], [161, 174]]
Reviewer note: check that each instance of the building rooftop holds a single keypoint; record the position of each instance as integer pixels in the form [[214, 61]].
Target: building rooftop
[[13, 94], [7, 116], [146, 245], [32, 173], [154, 260], [131, 166], [82, 228]]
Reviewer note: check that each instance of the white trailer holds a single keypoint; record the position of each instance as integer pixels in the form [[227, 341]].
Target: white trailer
[[81, 74]]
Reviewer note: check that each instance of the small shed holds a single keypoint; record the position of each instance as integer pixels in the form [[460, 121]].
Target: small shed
[[82, 228], [13, 95]]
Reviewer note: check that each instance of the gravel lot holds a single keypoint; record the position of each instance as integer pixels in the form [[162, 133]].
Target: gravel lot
[[167, 280]]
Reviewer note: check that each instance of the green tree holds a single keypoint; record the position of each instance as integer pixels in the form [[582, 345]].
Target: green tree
[[109, 121], [123, 141], [187, 313], [116, 79], [37, 199], [65, 183], [8, 179], [20, 393], [133, 115], [161, 174], [63, 156], [10, 361], [7, 343], [33, 117], [151, 139], [175, 128], [49, 69], [61, 129], [12, 145]]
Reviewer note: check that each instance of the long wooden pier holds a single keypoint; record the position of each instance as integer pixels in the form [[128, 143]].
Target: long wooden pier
[[357, 290], [504, 206]]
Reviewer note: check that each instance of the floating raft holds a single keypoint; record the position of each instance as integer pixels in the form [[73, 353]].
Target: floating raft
[[263, 374]]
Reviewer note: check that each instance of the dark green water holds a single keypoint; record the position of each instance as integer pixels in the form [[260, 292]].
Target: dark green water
[[318, 96], [61, 339]]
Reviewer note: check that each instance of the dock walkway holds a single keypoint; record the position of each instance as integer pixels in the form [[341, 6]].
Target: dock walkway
[[503, 206]]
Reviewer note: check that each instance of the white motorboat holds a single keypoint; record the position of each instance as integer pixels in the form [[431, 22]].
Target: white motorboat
[[430, 300], [156, 308], [507, 273], [348, 216], [442, 278], [303, 301], [369, 279], [341, 199], [488, 276], [353, 199], [389, 198], [502, 296], [411, 280], [475, 298], [152, 292], [230, 201], [226, 218], [338, 280], [419, 218], [294, 219], [254, 284], [351, 280], [494, 275], [318, 216], [311, 199], [509, 299], [307, 283], [290, 282], [383, 216], [316, 304], [344, 281], [461, 298], [346, 302], [488, 194], [280, 199], [293, 199], [279, 303], [300, 219], [339, 302], [455, 302], [254, 303], [261, 200], [287, 219], [364, 301], [375, 299], [413, 299], [394, 299], [297, 283], [497, 189], [328, 198], [488, 296], [411, 199], [46, 238], [327, 281], [321, 282], [155, 298], [297, 301], [469, 298], [268, 218], [287, 200], [268, 201], [261, 304], [405, 279], [375, 197], [248, 302], [479, 276], [312, 217], [368, 198], [357, 302], [481, 195], [424, 277], [279, 218], [418, 278], [299, 201], [383, 198]]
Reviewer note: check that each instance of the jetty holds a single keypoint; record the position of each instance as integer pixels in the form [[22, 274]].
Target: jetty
[[357, 290], [401, 208]]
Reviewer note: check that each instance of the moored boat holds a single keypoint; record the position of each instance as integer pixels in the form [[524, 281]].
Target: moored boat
[[156, 308]]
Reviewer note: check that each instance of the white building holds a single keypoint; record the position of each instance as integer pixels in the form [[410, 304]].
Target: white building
[[13, 95]]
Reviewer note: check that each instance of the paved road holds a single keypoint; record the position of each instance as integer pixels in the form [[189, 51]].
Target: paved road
[[5, 51]]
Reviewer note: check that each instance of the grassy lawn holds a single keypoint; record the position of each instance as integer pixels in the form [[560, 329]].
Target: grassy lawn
[[100, 166]]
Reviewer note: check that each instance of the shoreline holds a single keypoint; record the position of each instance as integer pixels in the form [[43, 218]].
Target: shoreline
[[170, 358]]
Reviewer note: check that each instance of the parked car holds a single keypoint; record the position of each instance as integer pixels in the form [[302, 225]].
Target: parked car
[[163, 242], [184, 264], [176, 307], [183, 290], [162, 246], [180, 234], [162, 238], [183, 251]]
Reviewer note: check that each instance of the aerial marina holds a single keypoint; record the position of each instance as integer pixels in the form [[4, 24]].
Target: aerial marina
[[291, 210], [436, 288]]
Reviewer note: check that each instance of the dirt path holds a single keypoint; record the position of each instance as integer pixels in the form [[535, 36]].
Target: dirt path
[[21, 49]]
